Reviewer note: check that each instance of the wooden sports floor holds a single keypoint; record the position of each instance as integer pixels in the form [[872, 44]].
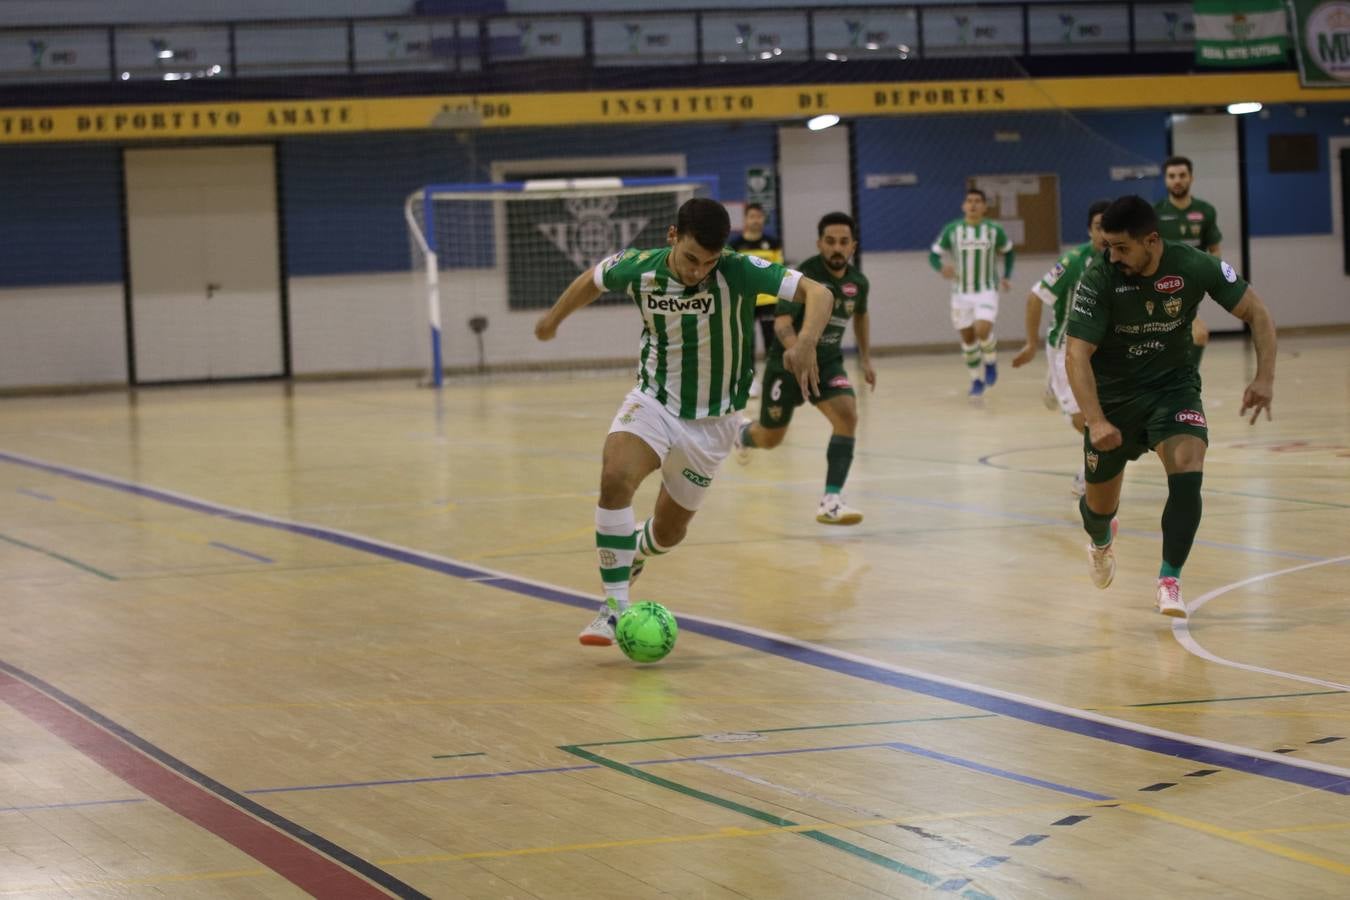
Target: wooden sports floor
[[264, 640]]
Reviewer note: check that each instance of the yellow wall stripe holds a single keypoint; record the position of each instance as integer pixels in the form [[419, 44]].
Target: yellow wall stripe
[[711, 104]]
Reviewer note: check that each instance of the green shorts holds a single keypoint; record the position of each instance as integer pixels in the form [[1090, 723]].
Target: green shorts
[[782, 395], [1145, 422]]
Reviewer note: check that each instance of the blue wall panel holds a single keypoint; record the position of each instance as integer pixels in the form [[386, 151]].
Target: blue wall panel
[[943, 150], [1280, 203], [60, 215]]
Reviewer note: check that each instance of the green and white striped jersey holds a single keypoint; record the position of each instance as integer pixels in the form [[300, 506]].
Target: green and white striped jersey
[[1056, 286], [698, 343], [974, 249]]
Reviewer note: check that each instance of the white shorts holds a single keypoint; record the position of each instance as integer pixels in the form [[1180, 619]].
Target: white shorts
[[966, 308], [691, 450], [1057, 379]]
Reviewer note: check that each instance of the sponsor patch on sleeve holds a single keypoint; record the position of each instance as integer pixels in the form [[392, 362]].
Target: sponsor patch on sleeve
[[1054, 274], [759, 261], [612, 261], [1228, 274]]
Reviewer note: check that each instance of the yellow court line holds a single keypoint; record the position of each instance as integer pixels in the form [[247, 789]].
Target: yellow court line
[[66, 886], [1228, 713], [1293, 829], [732, 832], [1239, 837]]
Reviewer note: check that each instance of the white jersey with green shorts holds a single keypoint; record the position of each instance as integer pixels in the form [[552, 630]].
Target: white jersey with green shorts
[[695, 359], [973, 251]]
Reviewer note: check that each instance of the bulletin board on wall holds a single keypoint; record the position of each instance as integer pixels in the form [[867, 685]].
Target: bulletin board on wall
[[1027, 206]]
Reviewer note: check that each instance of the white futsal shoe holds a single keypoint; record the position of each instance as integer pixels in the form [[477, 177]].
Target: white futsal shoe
[[834, 511], [1102, 560], [1169, 598], [600, 633]]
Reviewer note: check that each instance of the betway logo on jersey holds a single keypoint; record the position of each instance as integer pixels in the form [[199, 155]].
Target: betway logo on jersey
[[697, 305], [1169, 285]]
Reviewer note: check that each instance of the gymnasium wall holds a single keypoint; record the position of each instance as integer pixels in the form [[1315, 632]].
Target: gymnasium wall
[[355, 306]]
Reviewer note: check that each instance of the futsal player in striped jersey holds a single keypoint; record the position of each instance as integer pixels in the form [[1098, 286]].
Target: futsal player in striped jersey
[[695, 365], [966, 253]]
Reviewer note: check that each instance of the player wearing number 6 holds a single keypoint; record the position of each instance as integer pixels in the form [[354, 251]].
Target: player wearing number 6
[[697, 302], [1130, 367], [837, 238]]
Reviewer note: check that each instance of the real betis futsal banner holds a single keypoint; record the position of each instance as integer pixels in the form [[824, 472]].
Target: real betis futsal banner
[[1240, 32], [1322, 35]]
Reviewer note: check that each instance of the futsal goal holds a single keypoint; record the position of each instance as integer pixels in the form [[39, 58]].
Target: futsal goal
[[501, 252]]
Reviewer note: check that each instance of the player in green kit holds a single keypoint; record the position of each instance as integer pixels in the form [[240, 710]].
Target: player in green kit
[[1190, 220], [1053, 290], [973, 244], [697, 302], [837, 238], [755, 241], [1131, 371]]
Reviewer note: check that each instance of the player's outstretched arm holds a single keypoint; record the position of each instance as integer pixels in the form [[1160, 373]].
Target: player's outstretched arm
[[1260, 392], [581, 292], [1033, 323], [1078, 362], [800, 358]]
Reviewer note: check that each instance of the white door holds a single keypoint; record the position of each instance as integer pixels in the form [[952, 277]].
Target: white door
[[1211, 144], [205, 263], [813, 179]]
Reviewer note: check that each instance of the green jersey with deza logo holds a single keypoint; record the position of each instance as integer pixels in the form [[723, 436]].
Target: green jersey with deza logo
[[973, 248], [1142, 325], [1056, 285], [1197, 224], [850, 298], [697, 342]]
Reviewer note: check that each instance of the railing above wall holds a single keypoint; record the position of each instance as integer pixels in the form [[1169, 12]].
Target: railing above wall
[[834, 35]]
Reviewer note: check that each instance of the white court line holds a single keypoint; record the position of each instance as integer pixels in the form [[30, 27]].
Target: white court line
[[1181, 629]]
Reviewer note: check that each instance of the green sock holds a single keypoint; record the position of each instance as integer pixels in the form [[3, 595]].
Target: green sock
[[1097, 526], [839, 456], [746, 439], [1180, 520]]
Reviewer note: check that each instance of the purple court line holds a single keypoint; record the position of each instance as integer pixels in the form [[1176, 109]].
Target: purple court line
[[253, 556], [38, 494], [40, 806], [1001, 773], [970, 695]]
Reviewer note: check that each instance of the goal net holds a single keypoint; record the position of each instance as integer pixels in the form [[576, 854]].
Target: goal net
[[495, 255]]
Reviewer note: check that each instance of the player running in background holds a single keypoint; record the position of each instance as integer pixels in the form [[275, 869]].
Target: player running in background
[[753, 241], [965, 253], [1130, 369], [697, 301], [1190, 220], [837, 239], [1053, 290]]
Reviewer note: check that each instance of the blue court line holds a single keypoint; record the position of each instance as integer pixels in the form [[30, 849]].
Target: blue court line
[[1001, 773], [920, 683], [253, 556], [38, 494]]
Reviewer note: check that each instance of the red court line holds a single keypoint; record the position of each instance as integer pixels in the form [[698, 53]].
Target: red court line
[[301, 865]]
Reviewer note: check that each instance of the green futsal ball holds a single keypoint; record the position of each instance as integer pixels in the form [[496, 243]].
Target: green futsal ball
[[646, 632]]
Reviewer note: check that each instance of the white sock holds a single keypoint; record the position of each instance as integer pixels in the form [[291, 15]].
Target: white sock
[[646, 541], [989, 350], [615, 545], [971, 352]]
